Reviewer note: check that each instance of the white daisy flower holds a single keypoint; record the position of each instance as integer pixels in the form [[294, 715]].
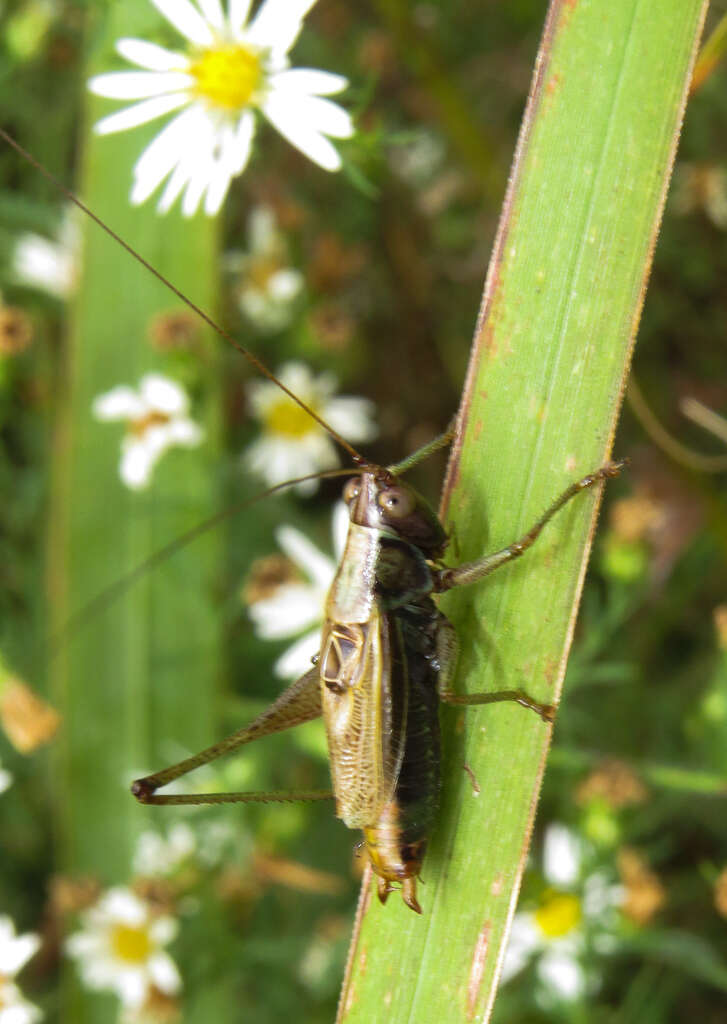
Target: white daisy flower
[[571, 908], [156, 419], [294, 607], [49, 266], [120, 947], [293, 444], [231, 67], [268, 288], [15, 951], [157, 855]]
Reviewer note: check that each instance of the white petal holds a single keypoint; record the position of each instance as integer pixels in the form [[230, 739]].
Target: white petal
[[292, 608], [237, 15], [175, 186], [278, 460], [524, 939], [223, 169], [185, 432], [562, 854], [310, 81], [298, 657], [162, 155], [137, 463], [6, 780], [285, 284], [262, 235], [163, 394], [217, 190], [319, 567], [562, 973], [157, 440], [136, 85], [151, 56], [163, 972], [122, 403], [277, 24], [199, 181], [243, 141], [213, 14], [163, 930], [299, 378], [14, 1008], [123, 905], [187, 20], [352, 417], [40, 263], [140, 113], [315, 146], [131, 986], [16, 953], [315, 113]]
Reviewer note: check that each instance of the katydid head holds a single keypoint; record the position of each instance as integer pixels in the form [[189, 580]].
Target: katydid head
[[379, 499]]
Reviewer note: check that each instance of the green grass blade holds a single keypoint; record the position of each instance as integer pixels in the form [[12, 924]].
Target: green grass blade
[[135, 684], [562, 303]]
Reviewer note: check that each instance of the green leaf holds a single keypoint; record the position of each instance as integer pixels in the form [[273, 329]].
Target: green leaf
[[131, 702], [552, 346]]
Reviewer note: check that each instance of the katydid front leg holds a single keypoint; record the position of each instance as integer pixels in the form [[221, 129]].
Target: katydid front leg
[[300, 702], [471, 572]]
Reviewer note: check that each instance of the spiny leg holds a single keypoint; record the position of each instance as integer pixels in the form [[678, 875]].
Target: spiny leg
[[299, 703], [439, 442], [447, 658], [471, 572]]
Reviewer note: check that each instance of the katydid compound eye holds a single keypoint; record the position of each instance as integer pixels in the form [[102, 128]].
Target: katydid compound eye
[[352, 490], [397, 502]]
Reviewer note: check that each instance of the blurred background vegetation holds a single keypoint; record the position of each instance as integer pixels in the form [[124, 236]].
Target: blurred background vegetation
[[392, 253]]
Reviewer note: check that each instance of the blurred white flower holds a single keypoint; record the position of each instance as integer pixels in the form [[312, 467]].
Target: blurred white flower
[[49, 266], [293, 444], [120, 947], [158, 855], [230, 69], [555, 932], [292, 606], [156, 419], [6, 779], [268, 287], [15, 951]]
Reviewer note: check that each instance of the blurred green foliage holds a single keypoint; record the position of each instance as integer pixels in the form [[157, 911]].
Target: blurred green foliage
[[394, 251]]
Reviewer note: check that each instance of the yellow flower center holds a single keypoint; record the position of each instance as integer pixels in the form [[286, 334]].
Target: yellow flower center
[[558, 914], [287, 419], [227, 76], [152, 419], [132, 945]]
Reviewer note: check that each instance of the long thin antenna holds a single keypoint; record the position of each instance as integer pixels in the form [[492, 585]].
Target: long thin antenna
[[106, 597], [251, 358]]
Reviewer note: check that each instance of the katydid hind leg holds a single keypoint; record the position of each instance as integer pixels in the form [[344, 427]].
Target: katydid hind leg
[[472, 572], [447, 658], [300, 702]]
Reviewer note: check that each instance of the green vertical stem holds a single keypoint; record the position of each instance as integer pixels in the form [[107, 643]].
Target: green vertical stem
[[135, 684], [552, 347]]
